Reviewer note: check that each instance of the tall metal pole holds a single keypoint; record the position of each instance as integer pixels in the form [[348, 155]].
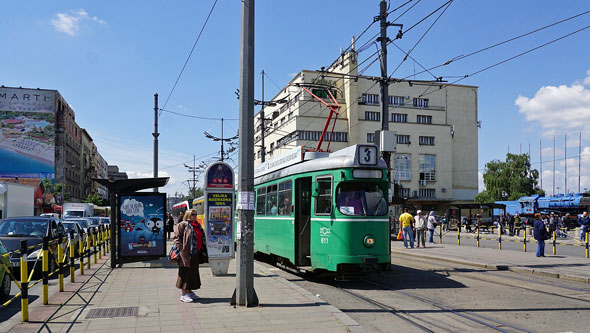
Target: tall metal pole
[[554, 165], [244, 294], [541, 162], [263, 149], [155, 134], [221, 139], [565, 165], [580, 164], [384, 82]]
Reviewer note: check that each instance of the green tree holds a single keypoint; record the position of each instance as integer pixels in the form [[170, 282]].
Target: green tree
[[94, 199], [509, 180], [194, 193]]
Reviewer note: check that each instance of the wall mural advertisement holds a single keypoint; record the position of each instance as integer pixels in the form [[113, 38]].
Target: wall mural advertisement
[[141, 225], [27, 133], [219, 225]]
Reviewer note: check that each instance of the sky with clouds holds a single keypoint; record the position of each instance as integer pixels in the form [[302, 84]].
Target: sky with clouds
[[108, 58]]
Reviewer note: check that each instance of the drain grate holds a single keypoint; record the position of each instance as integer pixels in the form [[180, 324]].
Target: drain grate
[[128, 311]]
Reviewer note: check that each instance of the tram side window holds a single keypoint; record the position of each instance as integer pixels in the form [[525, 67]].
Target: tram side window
[[261, 201], [324, 200], [285, 198], [271, 200]]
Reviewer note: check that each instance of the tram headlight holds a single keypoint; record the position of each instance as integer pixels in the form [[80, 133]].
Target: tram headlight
[[369, 241]]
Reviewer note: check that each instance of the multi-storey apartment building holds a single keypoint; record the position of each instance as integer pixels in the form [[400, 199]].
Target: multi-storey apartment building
[[436, 128]]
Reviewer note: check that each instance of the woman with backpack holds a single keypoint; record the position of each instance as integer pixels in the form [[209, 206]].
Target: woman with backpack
[[540, 234], [191, 243]]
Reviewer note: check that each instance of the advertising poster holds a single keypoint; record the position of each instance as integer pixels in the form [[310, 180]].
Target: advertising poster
[[27, 133], [141, 224], [220, 175], [219, 225]]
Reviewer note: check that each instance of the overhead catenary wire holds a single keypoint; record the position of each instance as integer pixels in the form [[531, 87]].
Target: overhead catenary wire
[[189, 55], [197, 117]]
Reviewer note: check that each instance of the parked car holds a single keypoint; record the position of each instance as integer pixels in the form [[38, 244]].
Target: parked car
[[106, 221], [70, 225], [5, 283], [85, 223], [13, 230], [50, 215], [95, 221]]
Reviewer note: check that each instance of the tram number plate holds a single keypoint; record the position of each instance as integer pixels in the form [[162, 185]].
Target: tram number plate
[[367, 155], [324, 240]]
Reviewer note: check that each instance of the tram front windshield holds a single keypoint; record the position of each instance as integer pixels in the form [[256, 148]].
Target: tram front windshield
[[361, 199]]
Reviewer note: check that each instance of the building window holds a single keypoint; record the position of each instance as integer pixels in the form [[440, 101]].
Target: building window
[[428, 167], [315, 136], [421, 102], [399, 118], [396, 100], [370, 137], [369, 115], [426, 141], [423, 119], [403, 139], [405, 192], [402, 166], [427, 193], [371, 99]]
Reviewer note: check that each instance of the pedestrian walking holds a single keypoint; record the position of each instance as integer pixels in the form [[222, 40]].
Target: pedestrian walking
[[584, 222], [540, 234], [431, 225], [552, 226], [563, 225], [420, 225], [191, 243], [510, 221], [406, 222], [180, 217], [501, 223], [169, 224]]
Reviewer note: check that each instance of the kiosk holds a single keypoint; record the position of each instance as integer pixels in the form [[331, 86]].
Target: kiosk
[[219, 215]]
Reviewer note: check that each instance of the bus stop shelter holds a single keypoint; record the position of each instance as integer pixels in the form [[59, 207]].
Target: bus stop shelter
[[116, 188]]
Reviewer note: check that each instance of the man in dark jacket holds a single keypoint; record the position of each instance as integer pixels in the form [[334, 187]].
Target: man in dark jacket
[[540, 234], [584, 222]]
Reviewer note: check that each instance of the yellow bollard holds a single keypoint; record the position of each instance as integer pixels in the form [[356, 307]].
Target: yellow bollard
[[72, 256], [459, 234], [586, 243], [60, 263], [45, 268], [88, 246], [100, 243], [440, 234], [94, 245], [554, 244], [81, 252], [24, 282], [477, 235], [104, 242], [524, 240], [500, 238]]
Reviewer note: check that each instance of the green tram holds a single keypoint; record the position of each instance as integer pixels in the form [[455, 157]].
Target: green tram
[[325, 211]]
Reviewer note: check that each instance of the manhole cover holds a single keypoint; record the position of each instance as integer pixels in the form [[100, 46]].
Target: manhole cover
[[129, 311]]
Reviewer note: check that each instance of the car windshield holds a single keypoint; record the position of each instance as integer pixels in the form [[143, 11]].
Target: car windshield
[[70, 227], [23, 228], [361, 199], [74, 213], [94, 222], [82, 223]]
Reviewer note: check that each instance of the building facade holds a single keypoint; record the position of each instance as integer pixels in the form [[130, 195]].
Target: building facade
[[435, 125]]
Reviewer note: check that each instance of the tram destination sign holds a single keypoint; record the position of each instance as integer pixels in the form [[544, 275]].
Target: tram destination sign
[[293, 156]]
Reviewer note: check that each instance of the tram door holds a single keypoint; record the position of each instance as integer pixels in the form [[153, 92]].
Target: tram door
[[302, 221]]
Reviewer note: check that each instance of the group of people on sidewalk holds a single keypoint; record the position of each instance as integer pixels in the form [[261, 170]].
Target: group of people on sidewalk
[[417, 225]]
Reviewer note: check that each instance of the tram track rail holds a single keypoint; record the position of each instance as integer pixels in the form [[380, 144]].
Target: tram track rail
[[496, 274]]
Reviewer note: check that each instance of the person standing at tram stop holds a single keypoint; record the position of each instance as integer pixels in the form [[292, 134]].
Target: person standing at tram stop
[[191, 244], [517, 225], [420, 225], [431, 225], [169, 225], [584, 222], [406, 222], [540, 234]]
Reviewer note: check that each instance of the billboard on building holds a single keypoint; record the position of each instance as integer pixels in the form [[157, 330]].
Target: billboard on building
[[27, 133]]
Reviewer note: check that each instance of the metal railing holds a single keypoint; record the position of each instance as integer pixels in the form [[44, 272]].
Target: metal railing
[[62, 254]]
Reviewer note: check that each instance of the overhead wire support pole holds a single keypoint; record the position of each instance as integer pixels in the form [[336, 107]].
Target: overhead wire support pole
[[262, 125], [156, 134], [244, 294]]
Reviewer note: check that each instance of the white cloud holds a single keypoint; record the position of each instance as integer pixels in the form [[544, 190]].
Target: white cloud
[[69, 23], [587, 79], [558, 110]]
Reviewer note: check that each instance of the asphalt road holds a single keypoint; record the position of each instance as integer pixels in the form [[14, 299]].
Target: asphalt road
[[433, 296]]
